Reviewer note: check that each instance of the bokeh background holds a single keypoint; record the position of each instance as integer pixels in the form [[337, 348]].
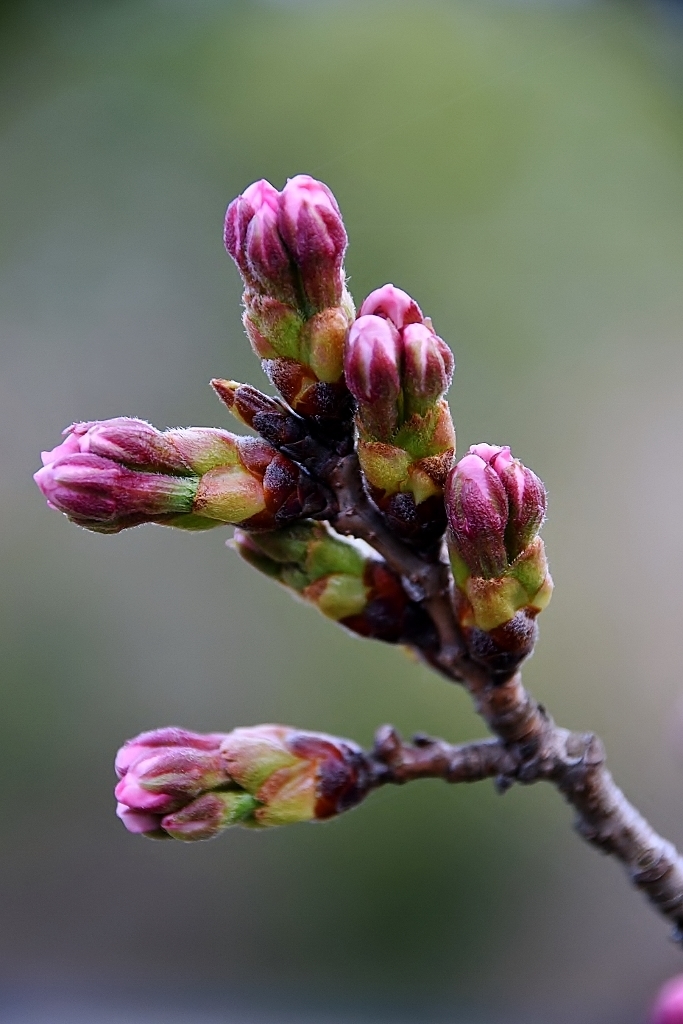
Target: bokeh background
[[519, 169]]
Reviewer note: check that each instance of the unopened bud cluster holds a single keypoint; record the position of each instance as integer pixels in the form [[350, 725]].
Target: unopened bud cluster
[[114, 474], [377, 383], [495, 508], [184, 785], [399, 370], [289, 248]]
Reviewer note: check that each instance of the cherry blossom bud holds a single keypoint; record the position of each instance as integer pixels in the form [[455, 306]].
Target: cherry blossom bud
[[312, 228], [477, 509], [428, 368], [398, 370], [139, 445], [209, 814], [183, 785], [495, 508], [106, 497], [668, 1008], [393, 304], [253, 239], [146, 744], [192, 478], [289, 247], [372, 365]]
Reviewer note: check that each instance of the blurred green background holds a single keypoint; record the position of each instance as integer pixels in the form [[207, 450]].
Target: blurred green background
[[519, 169]]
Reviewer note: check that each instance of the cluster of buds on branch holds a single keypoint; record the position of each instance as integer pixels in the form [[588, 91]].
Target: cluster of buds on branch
[[351, 498], [119, 473], [399, 370], [183, 785], [361, 444], [495, 508], [289, 247]]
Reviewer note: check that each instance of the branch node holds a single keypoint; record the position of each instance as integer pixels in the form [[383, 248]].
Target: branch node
[[387, 744], [421, 739], [502, 783]]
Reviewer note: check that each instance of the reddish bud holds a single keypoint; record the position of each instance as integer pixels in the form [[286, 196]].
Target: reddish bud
[[428, 368], [312, 228], [289, 245], [253, 240], [477, 509], [372, 366], [146, 744], [398, 370], [188, 786], [525, 492], [208, 815], [218, 478], [393, 304], [105, 497], [134, 443], [495, 507], [163, 771]]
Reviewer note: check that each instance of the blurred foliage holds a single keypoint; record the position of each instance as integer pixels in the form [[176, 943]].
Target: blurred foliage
[[518, 169]]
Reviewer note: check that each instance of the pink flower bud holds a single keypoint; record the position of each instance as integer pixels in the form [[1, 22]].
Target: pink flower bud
[[477, 509], [393, 304], [138, 445], [162, 772], [208, 815], [398, 374], [289, 245], [668, 1008], [240, 213], [313, 231], [106, 497], [129, 441], [428, 367], [372, 365], [253, 240], [525, 492], [148, 743], [116, 474], [188, 786]]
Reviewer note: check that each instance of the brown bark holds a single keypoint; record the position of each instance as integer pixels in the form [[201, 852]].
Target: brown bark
[[528, 747]]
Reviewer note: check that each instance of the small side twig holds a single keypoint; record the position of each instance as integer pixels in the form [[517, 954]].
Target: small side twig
[[575, 764]]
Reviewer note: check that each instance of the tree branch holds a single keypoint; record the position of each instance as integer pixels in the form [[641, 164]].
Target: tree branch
[[528, 747], [573, 762]]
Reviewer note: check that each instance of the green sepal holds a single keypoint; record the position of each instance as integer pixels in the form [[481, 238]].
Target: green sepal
[[287, 545], [459, 568], [531, 567], [191, 521], [330, 554], [338, 596], [239, 807]]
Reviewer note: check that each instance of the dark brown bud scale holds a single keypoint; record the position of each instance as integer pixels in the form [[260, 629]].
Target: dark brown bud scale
[[342, 777]]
